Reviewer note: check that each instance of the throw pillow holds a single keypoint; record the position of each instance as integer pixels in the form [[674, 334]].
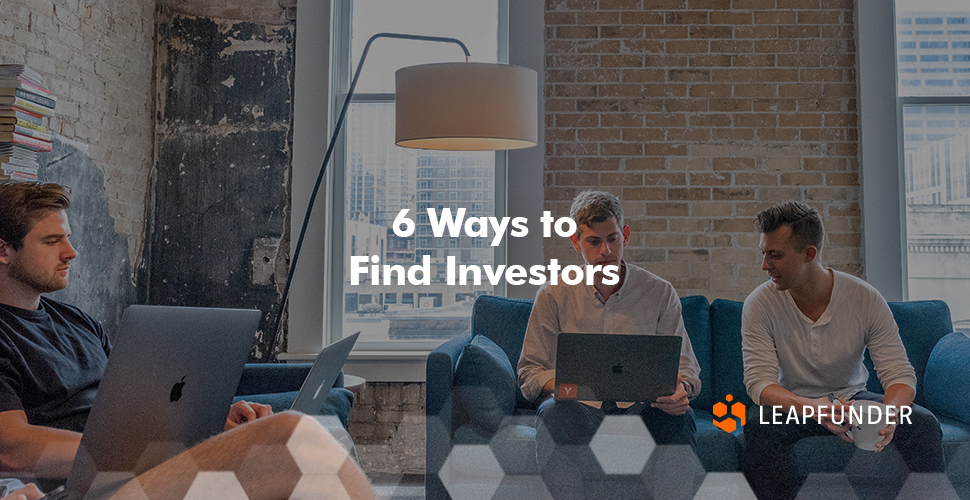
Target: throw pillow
[[485, 383]]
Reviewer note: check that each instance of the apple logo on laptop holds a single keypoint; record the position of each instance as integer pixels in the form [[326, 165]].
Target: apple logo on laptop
[[177, 390], [618, 369]]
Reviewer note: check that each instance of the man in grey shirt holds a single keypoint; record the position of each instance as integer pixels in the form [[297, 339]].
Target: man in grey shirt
[[637, 302], [803, 334]]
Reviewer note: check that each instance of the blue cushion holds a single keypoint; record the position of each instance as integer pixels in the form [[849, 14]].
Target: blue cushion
[[503, 320], [727, 363], [486, 383], [922, 323], [696, 311], [947, 380]]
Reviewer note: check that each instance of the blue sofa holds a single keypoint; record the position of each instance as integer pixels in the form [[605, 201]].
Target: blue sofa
[[940, 356]]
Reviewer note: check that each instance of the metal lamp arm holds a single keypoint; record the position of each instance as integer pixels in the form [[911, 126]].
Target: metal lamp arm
[[323, 169]]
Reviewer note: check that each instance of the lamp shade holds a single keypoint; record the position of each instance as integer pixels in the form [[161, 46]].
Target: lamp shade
[[466, 107]]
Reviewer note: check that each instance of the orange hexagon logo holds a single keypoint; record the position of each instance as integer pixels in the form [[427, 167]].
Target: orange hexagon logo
[[729, 423]]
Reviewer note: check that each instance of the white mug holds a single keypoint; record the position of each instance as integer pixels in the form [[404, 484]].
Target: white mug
[[867, 419]]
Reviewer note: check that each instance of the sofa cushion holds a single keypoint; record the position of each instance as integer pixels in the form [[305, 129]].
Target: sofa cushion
[[696, 311], [948, 377], [486, 383], [727, 364], [922, 323]]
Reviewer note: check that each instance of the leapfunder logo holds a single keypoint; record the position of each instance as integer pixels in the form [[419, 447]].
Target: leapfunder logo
[[777, 415], [729, 422]]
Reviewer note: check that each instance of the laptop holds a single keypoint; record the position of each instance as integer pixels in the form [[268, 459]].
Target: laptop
[[326, 367], [618, 368], [168, 385]]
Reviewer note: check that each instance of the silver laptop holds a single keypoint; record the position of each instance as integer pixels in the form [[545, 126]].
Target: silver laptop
[[611, 367], [168, 385], [323, 373]]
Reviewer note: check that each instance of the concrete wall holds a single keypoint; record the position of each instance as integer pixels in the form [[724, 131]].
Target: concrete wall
[[219, 205]]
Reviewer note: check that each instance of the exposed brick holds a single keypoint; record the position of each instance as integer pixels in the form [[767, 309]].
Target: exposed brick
[[689, 194], [621, 149], [597, 18], [621, 179], [733, 164], [641, 17], [583, 32], [619, 5], [598, 163], [740, 105], [644, 194]]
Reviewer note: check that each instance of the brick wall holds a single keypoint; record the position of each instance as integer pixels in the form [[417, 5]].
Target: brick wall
[[387, 424], [698, 117], [96, 58]]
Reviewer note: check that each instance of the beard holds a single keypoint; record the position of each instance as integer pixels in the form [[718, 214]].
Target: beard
[[39, 281]]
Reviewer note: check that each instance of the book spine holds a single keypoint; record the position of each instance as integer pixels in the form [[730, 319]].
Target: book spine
[[26, 114], [22, 175], [39, 99], [26, 85], [32, 106], [37, 134], [33, 87], [9, 167], [29, 142], [6, 160], [28, 124]]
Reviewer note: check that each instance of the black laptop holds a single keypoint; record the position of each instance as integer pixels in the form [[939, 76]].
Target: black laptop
[[168, 385], [616, 367]]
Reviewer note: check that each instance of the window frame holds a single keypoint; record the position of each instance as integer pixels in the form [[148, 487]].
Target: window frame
[[313, 118], [882, 148], [342, 74]]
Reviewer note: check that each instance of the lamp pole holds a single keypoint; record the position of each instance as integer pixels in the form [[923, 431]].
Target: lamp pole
[[323, 169]]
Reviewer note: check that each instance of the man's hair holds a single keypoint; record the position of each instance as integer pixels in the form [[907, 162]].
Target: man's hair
[[24, 204], [805, 223], [595, 206]]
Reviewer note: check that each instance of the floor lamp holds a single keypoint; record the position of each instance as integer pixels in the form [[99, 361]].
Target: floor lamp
[[447, 106]]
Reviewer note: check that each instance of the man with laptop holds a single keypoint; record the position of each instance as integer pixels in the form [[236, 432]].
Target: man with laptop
[[803, 336], [53, 356], [638, 303]]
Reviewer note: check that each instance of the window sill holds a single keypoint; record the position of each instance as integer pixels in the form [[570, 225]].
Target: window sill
[[376, 366]]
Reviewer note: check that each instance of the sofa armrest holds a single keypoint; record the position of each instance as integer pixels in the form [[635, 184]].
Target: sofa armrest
[[439, 410], [269, 378], [947, 380]]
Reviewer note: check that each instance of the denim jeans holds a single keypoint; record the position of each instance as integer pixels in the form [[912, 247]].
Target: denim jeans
[[770, 464], [567, 464]]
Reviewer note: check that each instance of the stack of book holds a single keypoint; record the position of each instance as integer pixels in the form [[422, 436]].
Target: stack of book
[[24, 103]]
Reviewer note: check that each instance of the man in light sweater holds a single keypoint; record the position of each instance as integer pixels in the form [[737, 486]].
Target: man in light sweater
[[803, 336], [638, 302]]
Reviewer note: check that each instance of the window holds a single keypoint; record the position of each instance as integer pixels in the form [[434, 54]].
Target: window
[[392, 172], [935, 163]]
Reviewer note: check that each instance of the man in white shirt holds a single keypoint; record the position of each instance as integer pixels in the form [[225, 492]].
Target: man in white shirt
[[638, 302], [803, 335]]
